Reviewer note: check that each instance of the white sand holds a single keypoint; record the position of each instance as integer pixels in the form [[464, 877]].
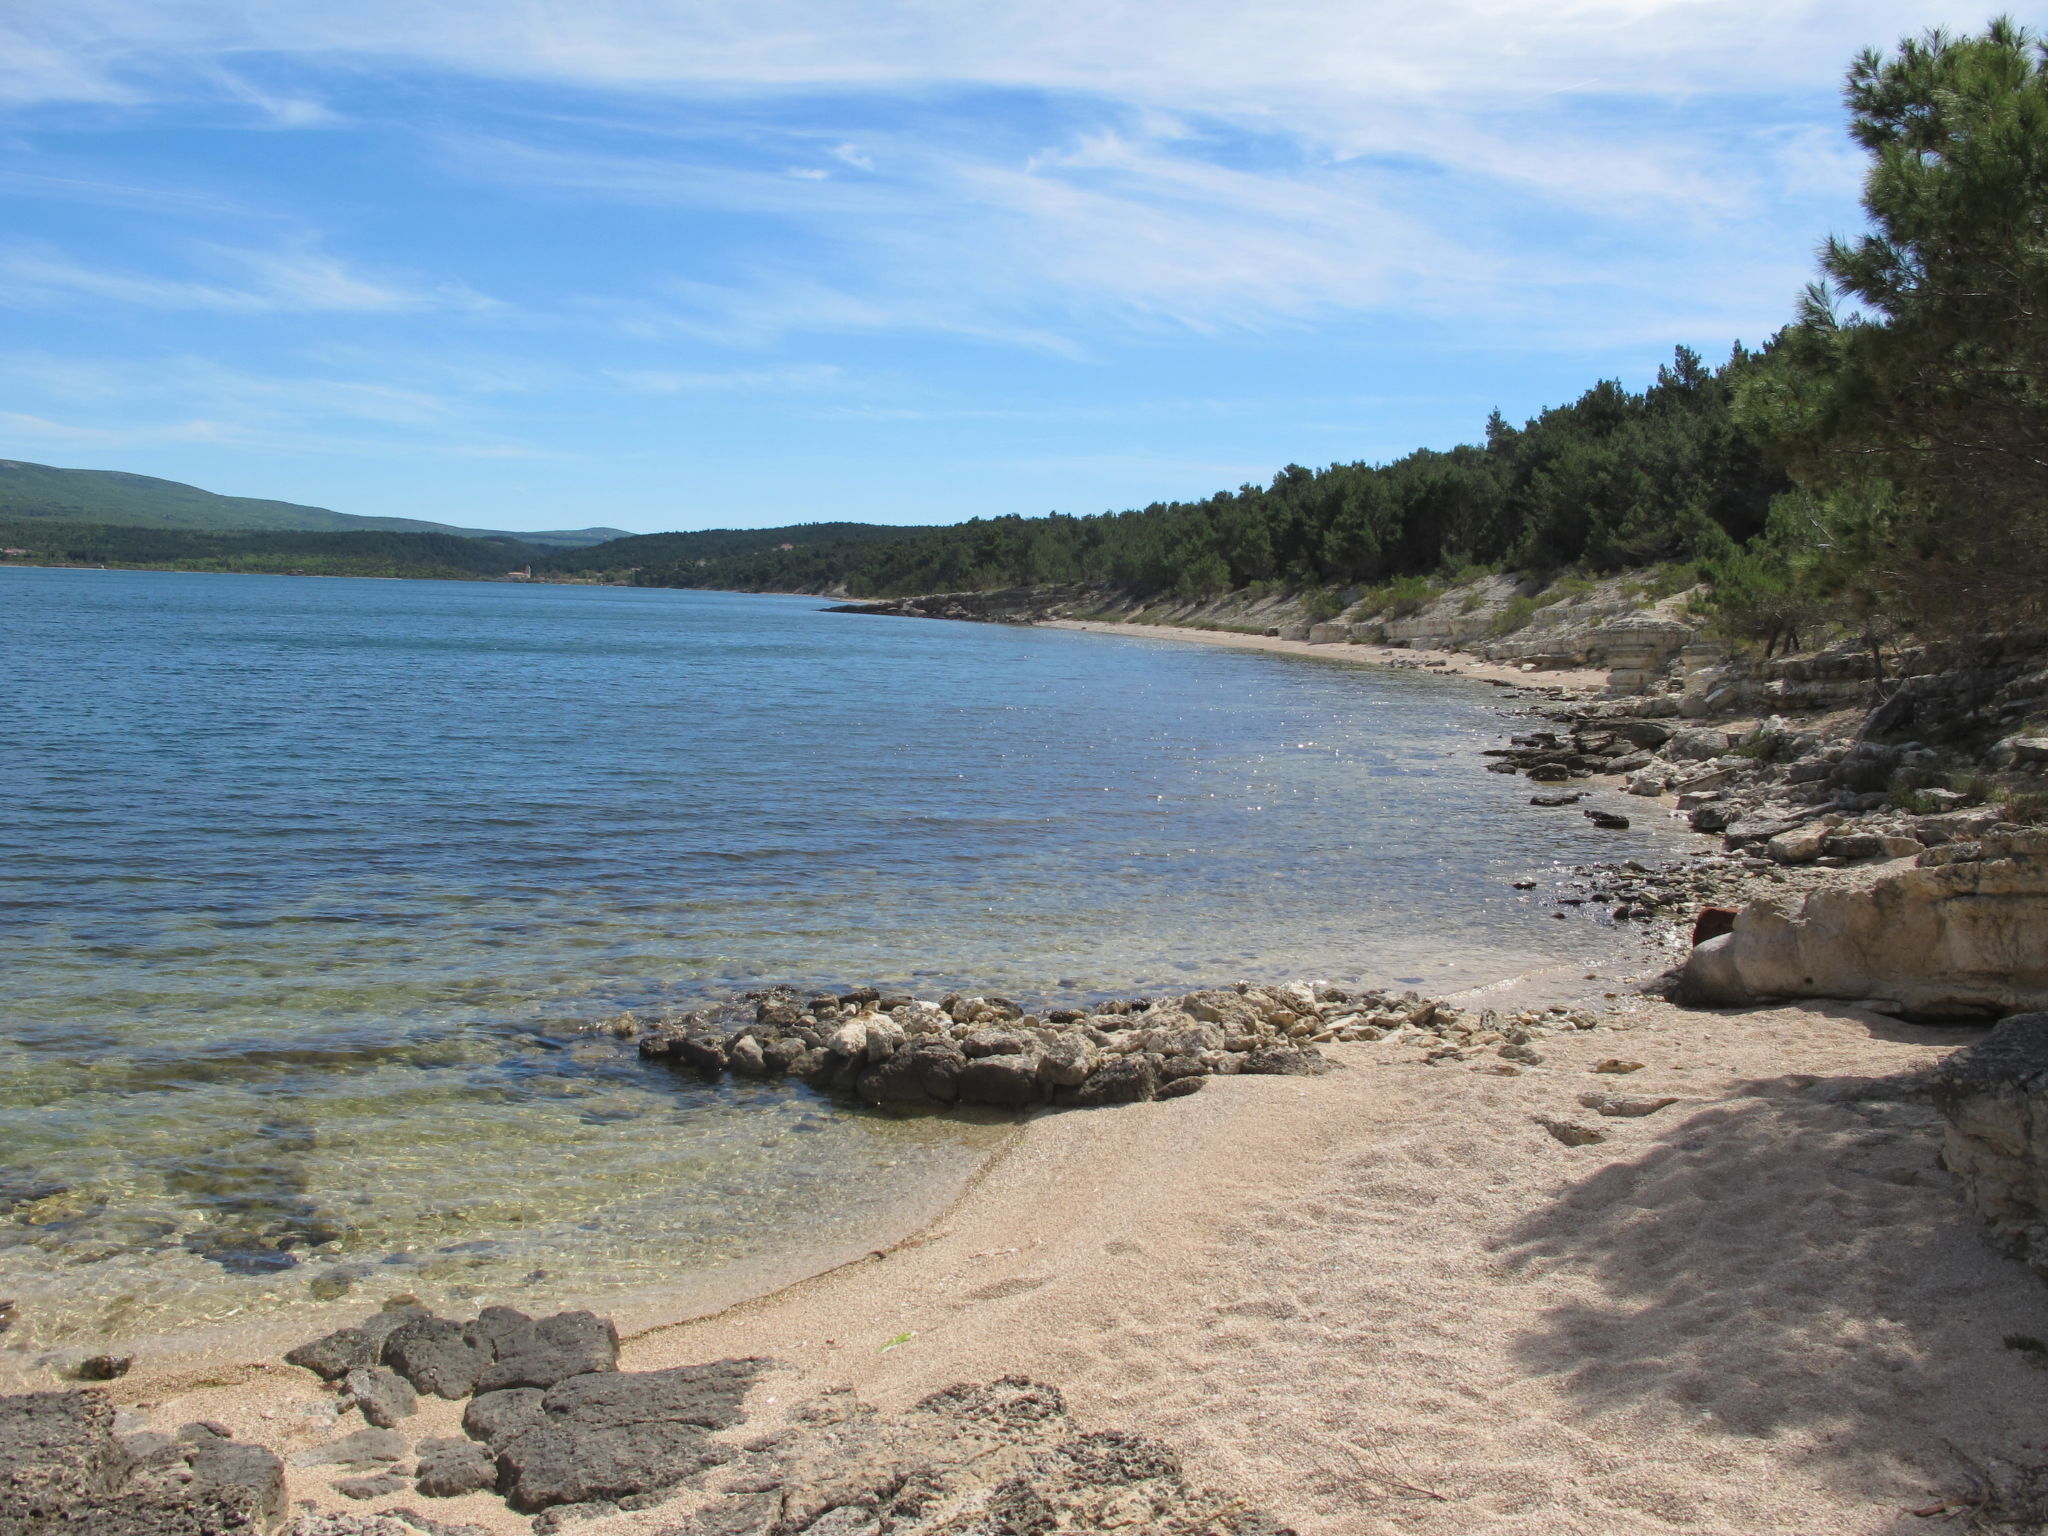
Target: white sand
[[1449, 663], [1388, 1300]]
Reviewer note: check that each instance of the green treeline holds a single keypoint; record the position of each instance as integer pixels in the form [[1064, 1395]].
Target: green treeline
[[1615, 478], [370, 553]]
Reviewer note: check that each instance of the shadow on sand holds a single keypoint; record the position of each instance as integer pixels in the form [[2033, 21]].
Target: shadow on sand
[[1795, 1262]]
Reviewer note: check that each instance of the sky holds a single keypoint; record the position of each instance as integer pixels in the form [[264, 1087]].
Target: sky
[[669, 264]]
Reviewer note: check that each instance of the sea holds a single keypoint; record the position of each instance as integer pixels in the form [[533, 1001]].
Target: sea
[[318, 895]]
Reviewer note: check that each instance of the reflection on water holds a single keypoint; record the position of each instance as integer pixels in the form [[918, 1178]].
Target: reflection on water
[[314, 888]]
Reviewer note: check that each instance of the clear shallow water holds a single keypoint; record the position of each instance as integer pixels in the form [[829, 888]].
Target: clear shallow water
[[312, 888]]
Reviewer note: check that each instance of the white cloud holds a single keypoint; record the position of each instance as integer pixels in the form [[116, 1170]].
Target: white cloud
[[253, 282], [801, 376]]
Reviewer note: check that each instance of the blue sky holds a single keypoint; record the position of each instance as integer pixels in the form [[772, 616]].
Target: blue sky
[[659, 264]]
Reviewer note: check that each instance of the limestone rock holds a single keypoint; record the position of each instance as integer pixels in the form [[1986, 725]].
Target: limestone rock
[[334, 1355], [433, 1354], [1955, 934], [613, 1433], [364, 1448], [373, 1486], [1994, 1095], [450, 1468], [62, 1471], [1801, 845], [1572, 1133], [1119, 1080], [539, 1354], [1625, 1106], [497, 1417], [1007, 1081], [383, 1396]]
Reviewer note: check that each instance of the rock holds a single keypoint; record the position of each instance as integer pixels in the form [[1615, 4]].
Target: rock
[[1696, 744], [1181, 1087], [249, 1478], [747, 1058], [1119, 1080], [1801, 845], [1007, 1081], [1956, 934], [496, 1417], [1712, 818], [2018, 752], [103, 1367], [1622, 1106], [57, 1452], [450, 1468], [562, 1516], [1549, 773], [334, 1355], [1711, 923], [1218, 1006], [1759, 829], [383, 1396], [374, 1486], [1648, 734], [899, 1080], [492, 1327], [433, 1354], [364, 1448], [1994, 1096], [1572, 798], [1285, 1061], [1607, 819], [1615, 1064], [1068, 1062], [614, 1433], [1571, 1132], [539, 1354]]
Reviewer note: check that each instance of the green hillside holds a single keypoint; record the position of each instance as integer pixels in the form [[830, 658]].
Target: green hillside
[[284, 551], [141, 501], [710, 552]]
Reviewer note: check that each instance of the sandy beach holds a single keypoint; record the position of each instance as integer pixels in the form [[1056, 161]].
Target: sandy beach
[[1389, 1299], [1450, 663]]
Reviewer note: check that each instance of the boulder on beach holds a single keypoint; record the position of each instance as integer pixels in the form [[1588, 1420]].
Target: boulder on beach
[[1955, 933]]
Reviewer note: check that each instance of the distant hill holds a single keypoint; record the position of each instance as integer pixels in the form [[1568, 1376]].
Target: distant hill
[[78, 496], [704, 553]]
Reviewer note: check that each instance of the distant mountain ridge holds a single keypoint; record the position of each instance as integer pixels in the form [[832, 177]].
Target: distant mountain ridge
[[142, 501]]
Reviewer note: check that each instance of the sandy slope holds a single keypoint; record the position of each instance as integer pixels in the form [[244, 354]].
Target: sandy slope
[[1389, 1300]]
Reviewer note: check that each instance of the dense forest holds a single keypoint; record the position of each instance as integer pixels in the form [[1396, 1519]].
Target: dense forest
[[1615, 478]]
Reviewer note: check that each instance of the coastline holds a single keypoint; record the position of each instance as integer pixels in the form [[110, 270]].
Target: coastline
[[1446, 663], [1393, 1299], [1389, 1299]]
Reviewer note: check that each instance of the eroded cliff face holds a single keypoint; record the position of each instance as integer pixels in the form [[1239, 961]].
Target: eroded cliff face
[[1959, 931]]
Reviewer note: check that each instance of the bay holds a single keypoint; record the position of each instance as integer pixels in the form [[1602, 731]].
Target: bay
[[315, 890]]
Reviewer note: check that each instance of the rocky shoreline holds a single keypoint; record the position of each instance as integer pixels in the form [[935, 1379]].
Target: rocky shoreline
[[552, 1427]]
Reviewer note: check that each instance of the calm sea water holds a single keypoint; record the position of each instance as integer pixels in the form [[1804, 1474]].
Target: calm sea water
[[314, 887]]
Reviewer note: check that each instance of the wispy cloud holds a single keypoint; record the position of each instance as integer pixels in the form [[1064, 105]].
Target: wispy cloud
[[799, 376], [252, 282]]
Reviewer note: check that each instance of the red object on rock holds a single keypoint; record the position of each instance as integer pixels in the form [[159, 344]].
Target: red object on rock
[[1712, 923]]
